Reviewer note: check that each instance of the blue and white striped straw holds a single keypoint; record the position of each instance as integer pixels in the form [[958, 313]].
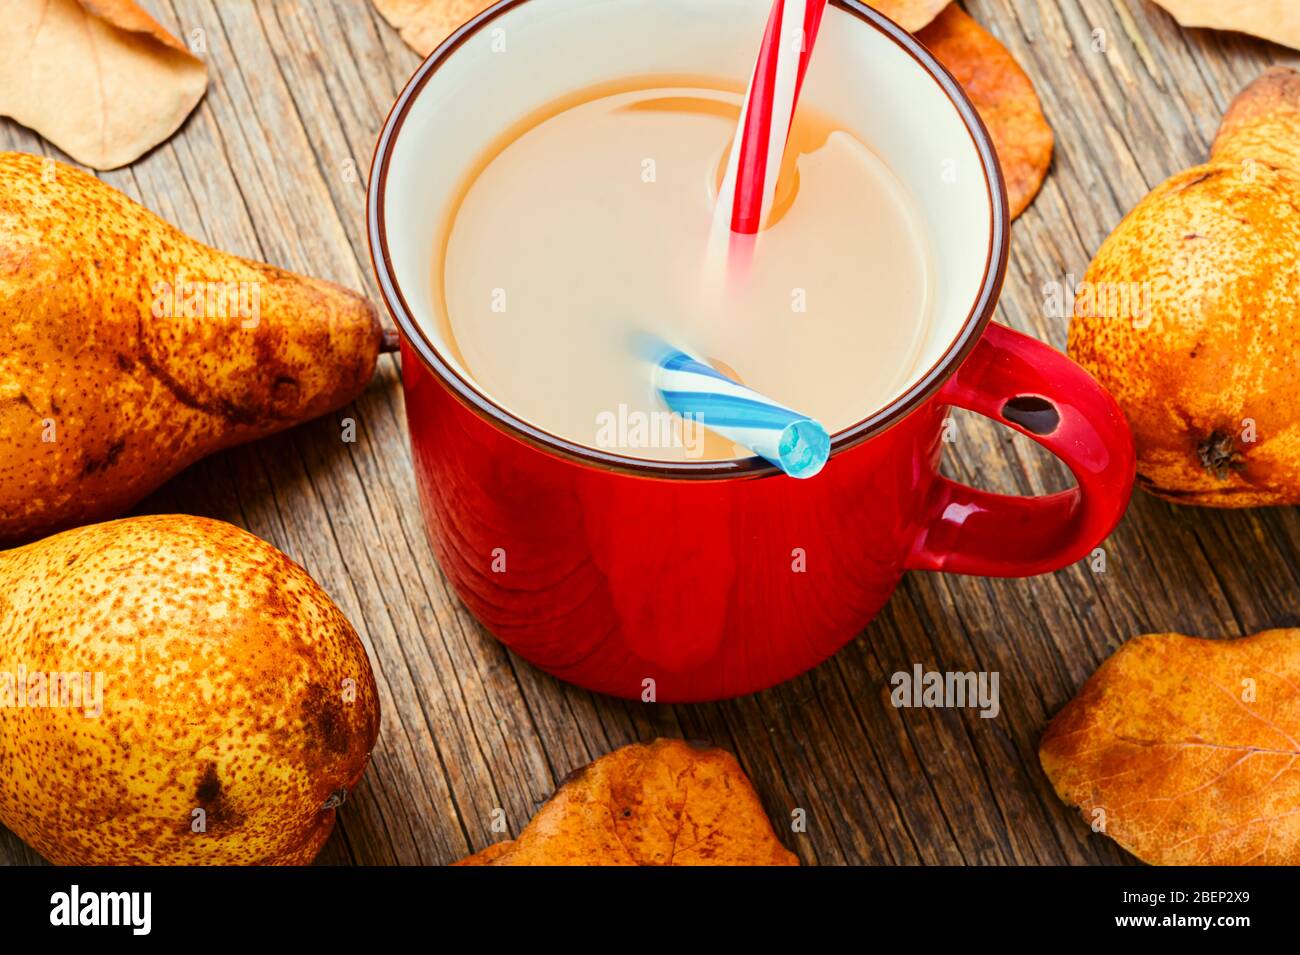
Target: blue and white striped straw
[[795, 443]]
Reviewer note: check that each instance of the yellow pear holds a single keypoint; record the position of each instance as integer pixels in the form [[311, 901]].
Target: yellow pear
[[1190, 313], [174, 690], [129, 350]]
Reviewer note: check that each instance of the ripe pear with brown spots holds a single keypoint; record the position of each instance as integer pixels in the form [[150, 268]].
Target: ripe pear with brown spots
[[1190, 313], [129, 350], [211, 704]]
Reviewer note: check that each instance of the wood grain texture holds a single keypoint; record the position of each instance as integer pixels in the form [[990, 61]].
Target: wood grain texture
[[273, 164]]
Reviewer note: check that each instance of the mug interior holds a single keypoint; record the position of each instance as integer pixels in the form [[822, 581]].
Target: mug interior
[[518, 56]]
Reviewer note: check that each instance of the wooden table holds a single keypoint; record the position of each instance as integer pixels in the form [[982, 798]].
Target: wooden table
[[273, 165]]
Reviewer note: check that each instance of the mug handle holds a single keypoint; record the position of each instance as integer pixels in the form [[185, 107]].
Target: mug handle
[[1032, 388]]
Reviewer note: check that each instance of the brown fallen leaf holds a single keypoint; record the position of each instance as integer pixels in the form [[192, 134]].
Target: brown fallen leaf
[[424, 24], [1184, 751], [1276, 20], [98, 78], [1004, 96], [662, 803], [492, 855], [911, 15]]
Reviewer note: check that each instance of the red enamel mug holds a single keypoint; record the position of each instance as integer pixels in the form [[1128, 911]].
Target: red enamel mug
[[707, 579]]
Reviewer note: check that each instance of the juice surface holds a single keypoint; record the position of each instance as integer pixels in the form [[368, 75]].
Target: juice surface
[[584, 232]]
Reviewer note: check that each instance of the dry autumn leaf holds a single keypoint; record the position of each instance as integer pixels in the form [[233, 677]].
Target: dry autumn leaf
[[1004, 96], [493, 855], [1276, 20], [1184, 750], [98, 78], [662, 803], [911, 15], [424, 24]]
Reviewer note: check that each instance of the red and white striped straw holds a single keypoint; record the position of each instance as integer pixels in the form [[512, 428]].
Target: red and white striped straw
[[749, 184]]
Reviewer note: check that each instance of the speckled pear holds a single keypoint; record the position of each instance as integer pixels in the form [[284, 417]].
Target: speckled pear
[[1190, 313], [211, 704], [128, 350]]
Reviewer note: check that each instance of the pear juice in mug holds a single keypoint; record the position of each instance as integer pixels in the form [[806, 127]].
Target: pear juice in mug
[[584, 231]]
